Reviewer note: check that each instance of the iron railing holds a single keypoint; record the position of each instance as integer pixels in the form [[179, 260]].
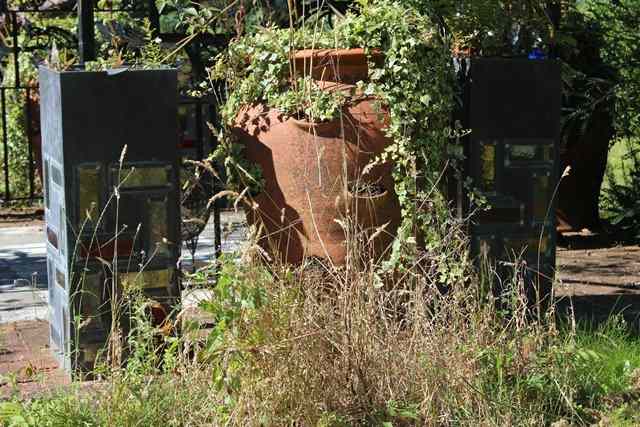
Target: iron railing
[[12, 178]]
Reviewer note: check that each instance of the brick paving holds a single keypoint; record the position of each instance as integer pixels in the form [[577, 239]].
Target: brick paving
[[26, 363]]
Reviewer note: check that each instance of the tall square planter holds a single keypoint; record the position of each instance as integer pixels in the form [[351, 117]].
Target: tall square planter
[[513, 108], [93, 238]]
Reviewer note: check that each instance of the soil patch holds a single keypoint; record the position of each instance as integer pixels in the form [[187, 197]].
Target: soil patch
[[18, 217], [597, 279]]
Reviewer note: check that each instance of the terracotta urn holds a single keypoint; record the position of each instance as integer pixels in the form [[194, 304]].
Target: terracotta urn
[[319, 196]]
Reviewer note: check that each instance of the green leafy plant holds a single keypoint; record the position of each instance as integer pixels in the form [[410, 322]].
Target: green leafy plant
[[621, 49], [620, 196], [414, 85]]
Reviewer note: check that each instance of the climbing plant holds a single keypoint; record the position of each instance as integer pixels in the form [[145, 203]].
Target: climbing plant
[[414, 85]]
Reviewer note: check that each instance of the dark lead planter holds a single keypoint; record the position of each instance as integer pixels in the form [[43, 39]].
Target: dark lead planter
[[87, 119], [512, 107]]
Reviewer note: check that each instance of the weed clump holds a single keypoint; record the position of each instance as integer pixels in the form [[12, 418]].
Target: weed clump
[[322, 345], [345, 347]]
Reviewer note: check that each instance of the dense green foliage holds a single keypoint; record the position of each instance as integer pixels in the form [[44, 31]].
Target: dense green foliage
[[621, 51], [496, 27], [414, 85], [18, 148], [615, 26], [620, 196], [35, 37]]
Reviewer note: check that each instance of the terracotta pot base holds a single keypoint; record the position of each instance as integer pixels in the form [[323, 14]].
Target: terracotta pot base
[[309, 170]]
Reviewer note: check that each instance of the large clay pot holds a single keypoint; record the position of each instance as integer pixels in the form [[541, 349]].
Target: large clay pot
[[313, 172]]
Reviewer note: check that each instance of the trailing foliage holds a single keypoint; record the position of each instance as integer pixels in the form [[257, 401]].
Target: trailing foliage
[[414, 86]]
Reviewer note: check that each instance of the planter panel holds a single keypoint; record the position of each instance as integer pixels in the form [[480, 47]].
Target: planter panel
[[87, 119], [513, 112]]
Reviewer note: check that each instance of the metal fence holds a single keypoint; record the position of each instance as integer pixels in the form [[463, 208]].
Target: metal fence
[[20, 148], [19, 90]]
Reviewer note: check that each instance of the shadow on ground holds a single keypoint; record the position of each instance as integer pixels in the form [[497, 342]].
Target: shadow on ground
[[597, 278]]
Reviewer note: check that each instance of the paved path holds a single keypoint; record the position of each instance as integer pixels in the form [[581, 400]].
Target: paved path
[[22, 253], [23, 274], [23, 266]]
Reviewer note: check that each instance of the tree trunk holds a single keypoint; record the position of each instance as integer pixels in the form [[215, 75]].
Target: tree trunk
[[586, 154], [586, 139]]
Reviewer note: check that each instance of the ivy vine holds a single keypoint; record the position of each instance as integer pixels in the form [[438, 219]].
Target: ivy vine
[[414, 85]]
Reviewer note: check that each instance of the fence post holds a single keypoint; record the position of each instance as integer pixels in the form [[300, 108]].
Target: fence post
[[154, 17], [16, 48], [86, 31], [5, 143], [217, 225]]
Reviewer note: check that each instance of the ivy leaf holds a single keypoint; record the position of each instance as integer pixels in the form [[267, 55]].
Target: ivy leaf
[[191, 11], [426, 99]]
